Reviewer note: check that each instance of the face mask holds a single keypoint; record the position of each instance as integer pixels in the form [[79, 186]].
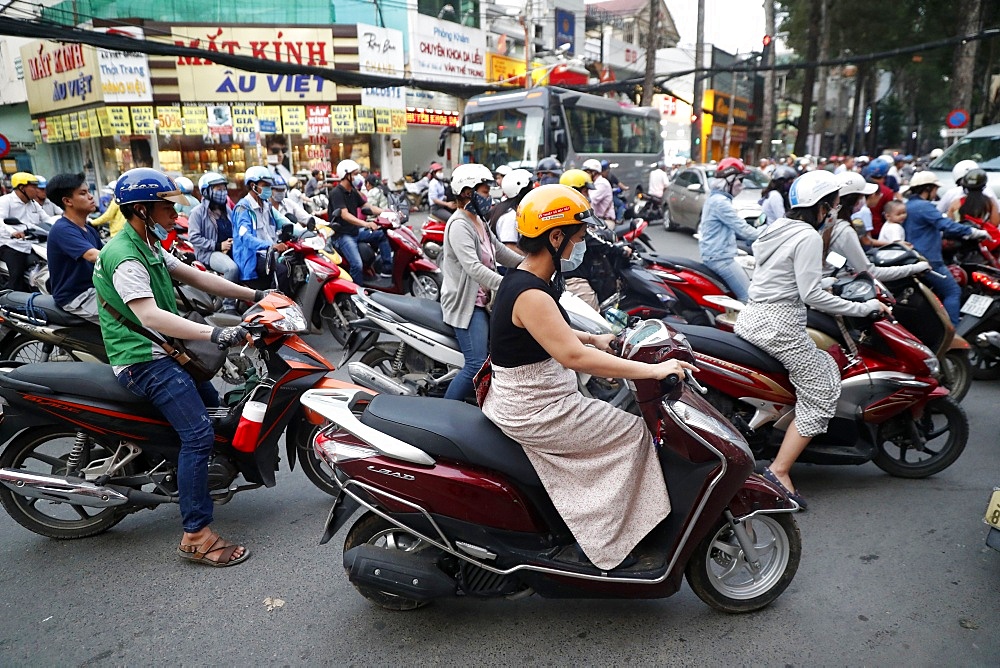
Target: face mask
[[157, 230], [575, 258], [438, 174], [359, 182], [278, 195], [218, 197], [481, 204], [737, 187], [265, 193]]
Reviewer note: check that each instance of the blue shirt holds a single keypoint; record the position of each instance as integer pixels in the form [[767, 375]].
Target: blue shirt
[[69, 273], [925, 226], [719, 227]]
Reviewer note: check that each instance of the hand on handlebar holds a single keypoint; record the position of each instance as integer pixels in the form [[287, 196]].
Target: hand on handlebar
[[878, 310], [978, 235], [227, 337], [672, 368], [602, 341]]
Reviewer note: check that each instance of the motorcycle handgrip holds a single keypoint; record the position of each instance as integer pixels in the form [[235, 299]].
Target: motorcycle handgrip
[[668, 384], [935, 274]]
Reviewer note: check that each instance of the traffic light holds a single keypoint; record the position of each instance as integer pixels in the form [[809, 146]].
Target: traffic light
[[766, 51], [767, 41]]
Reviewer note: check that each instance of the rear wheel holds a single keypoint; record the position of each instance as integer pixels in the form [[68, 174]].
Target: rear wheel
[[720, 575], [919, 448], [317, 470], [956, 373], [985, 366], [426, 285], [338, 317], [373, 530], [23, 348]]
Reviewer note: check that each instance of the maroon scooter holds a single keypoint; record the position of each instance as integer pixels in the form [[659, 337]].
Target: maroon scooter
[[454, 507]]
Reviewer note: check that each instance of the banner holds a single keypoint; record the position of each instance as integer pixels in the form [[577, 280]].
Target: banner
[[380, 52], [119, 120], [83, 122], [293, 118], [60, 76], [124, 76], [366, 120], [36, 130], [94, 123], [269, 119], [143, 120], [71, 121], [319, 119], [170, 120], [398, 123], [442, 51], [342, 119], [383, 121], [195, 121], [244, 119], [220, 119], [55, 128], [104, 121]]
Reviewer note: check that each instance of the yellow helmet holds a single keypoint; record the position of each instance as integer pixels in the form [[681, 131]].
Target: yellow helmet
[[548, 207], [576, 178], [23, 179]]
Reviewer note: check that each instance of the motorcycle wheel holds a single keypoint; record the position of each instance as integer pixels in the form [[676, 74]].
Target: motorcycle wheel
[[337, 327], [318, 471], [957, 373], [373, 530], [721, 577], [425, 285], [45, 451], [23, 348], [984, 366], [895, 453]]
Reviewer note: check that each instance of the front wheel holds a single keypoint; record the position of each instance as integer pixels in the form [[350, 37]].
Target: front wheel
[[317, 470], [917, 448], [720, 575], [338, 317], [956, 372], [426, 285], [985, 365]]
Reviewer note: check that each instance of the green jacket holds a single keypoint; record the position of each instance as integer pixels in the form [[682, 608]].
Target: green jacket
[[123, 345]]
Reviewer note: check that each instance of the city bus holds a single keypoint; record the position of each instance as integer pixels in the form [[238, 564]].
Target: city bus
[[519, 128]]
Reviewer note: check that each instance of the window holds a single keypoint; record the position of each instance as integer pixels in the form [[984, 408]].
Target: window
[[503, 137], [463, 12], [686, 178], [604, 131], [983, 150], [629, 32]]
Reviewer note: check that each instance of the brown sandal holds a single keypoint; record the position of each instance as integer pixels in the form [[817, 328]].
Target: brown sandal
[[214, 543]]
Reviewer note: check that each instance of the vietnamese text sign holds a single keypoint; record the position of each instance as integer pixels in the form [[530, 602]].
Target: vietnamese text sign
[[398, 121], [383, 121], [60, 76], [220, 119], [244, 119], [319, 119], [124, 76], [143, 122], [269, 118], [36, 130], [431, 117], [94, 123], [83, 122], [294, 120], [104, 121], [70, 129], [342, 119], [196, 121], [55, 128], [366, 120], [443, 51], [201, 80], [121, 123], [170, 120], [380, 51]]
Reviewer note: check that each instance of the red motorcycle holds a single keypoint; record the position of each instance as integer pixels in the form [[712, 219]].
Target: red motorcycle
[[432, 236], [694, 284], [892, 409], [454, 507]]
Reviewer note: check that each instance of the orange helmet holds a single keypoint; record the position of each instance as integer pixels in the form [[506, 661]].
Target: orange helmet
[[550, 206]]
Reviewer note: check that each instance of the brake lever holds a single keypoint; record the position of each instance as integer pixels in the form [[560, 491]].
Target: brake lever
[[697, 386]]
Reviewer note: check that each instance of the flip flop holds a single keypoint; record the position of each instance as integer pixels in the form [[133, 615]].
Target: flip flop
[[794, 496], [213, 543]]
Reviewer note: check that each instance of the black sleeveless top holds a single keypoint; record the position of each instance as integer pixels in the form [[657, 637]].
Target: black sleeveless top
[[510, 345]]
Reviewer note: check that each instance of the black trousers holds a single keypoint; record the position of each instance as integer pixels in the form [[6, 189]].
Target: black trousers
[[17, 265]]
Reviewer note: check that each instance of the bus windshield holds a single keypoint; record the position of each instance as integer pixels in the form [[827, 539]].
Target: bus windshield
[[603, 131], [504, 137]]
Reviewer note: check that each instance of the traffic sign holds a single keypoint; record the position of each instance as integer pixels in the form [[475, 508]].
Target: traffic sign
[[4, 146], [954, 132], [957, 118]]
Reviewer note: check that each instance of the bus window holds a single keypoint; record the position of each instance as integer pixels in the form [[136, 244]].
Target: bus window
[[503, 137], [603, 131]]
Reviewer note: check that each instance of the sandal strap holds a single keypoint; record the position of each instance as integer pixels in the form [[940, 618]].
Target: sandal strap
[[213, 543]]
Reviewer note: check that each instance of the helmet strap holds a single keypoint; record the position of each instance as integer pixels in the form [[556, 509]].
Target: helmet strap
[[558, 282]]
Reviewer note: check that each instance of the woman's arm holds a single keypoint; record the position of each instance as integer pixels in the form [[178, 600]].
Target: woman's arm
[[505, 255], [460, 236], [807, 259]]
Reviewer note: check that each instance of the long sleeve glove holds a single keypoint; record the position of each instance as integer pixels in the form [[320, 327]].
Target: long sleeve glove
[[227, 337]]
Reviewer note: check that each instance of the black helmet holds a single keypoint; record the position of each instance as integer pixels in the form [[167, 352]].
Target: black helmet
[[974, 179], [549, 164], [784, 173]]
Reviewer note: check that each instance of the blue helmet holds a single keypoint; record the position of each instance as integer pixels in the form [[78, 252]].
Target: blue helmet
[[146, 185], [278, 181], [877, 169], [42, 182]]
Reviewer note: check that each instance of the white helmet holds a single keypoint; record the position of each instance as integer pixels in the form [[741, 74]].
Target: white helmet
[[209, 179], [470, 175], [811, 187], [852, 182], [257, 173], [927, 178], [503, 170], [961, 168], [515, 182], [184, 184], [937, 153], [345, 168], [591, 165]]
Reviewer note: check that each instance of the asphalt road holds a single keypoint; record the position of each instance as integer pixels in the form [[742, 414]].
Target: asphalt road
[[893, 572]]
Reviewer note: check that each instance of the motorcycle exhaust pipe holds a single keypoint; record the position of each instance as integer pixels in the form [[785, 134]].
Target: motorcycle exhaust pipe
[[61, 489], [988, 339], [364, 375], [396, 572]]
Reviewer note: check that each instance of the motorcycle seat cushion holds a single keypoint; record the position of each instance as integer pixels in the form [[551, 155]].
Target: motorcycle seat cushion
[[825, 323], [44, 306], [86, 379], [424, 312], [460, 432], [727, 346], [688, 263]]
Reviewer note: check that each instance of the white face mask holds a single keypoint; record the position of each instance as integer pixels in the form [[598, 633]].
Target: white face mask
[[576, 257]]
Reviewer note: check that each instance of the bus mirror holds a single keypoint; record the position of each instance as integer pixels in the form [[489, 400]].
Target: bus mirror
[[443, 138], [559, 139]]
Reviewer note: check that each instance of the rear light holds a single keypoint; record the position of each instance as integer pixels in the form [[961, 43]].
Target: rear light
[[321, 271], [331, 449], [986, 281]]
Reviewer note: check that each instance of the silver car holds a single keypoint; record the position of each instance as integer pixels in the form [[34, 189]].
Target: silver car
[[688, 191], [982, 146]]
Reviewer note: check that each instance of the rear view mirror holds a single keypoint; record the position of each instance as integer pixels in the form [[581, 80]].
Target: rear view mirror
[[695, 188]]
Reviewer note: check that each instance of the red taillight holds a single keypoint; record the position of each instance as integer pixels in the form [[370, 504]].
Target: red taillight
[[986, 281]]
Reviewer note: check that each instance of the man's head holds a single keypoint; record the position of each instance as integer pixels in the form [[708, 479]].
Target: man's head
[[214, 188], [315, 173], [72, 194], [279, 188], [148, 196], [605, 167], [500, 172], [25, 185], [346, 171], [592, 167], [259, 180], [40, 194]]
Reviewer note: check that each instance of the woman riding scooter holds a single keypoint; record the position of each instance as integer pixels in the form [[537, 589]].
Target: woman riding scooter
[[774, 200], [787, 279]]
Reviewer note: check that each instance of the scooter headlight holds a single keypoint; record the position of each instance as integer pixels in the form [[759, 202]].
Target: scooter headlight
[[292, 320], [933, 365]]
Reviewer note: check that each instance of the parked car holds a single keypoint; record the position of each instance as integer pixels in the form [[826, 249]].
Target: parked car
[[688, 190], [983, 146]]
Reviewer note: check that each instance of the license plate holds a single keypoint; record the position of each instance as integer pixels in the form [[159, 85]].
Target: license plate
[[976, 305], [993, 510]]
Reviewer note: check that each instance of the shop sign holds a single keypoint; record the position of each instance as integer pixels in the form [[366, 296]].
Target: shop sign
[[104, 122], [71, 131], [431, 117], [566, 29], [95, 125], [380, 51], [201, 80], [398, 122], [441, 51], [220, 119], [342, 119], [388, 98], [383, 121], [124, 76], [244, 119], [170, 120], [84, 124], [720, 108], [293, 118], [195, 121], [269, 118], [426, 99], [60, 76], [118, 118], [55, 128], [365, 117], [318, 119], [143, 120], [36, 130], [501, 68]]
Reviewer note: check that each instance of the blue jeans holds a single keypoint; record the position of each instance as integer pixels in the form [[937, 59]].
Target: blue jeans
[[475, 344], [733, 274], [946, 289], [182, 402], [347, 245], [230, 271]]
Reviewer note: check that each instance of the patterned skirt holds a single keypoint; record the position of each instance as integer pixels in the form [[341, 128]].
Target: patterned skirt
[[780, 331], [597, 463]]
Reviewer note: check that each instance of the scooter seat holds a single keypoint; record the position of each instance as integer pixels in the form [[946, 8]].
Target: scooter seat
[[43, 306], [727, 346], [86, 379], [687, 263], [424, 312], [460, 432], [824, 322]]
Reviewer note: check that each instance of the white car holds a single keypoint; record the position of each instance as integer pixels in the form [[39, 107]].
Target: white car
[[983, 146]]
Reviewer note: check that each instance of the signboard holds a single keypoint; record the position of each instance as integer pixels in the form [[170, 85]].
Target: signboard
[[957, 118], [954, 132], [220, 119], [365, 117], [120, 121], [55, 128], [566, 30], [84, 124], [383, 121], [71, 131], [426, 99], [195, 121], [244, 119], [143, 120], [502, 68], [441, 51], [269, 119], [432, 117], [201, 80], [4, 146], [170, 120], [60, 76], [124, 76], [318, 119], [36, 130], [388, 98], [342, 119], [293, 118], [398, 122], [380, 51], [94, 123], [104, 122]]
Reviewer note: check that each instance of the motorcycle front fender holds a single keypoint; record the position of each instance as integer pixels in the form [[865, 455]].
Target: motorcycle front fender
[[338, 286], [759, 496], [423, 264], [958, 343]]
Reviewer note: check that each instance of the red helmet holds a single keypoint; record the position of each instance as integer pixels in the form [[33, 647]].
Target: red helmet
[[730, 167], [435, 166]]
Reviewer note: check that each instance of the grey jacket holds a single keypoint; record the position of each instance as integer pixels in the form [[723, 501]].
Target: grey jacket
[[463, 271], [844, 240], [202, 232]]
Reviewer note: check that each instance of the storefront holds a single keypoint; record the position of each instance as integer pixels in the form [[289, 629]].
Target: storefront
[[719, 108]]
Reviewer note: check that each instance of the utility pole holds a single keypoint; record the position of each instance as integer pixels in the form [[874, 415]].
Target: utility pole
[[526, 24], [767, 117], [729, 117], [824, 53], [699, 63], [652, 39]]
